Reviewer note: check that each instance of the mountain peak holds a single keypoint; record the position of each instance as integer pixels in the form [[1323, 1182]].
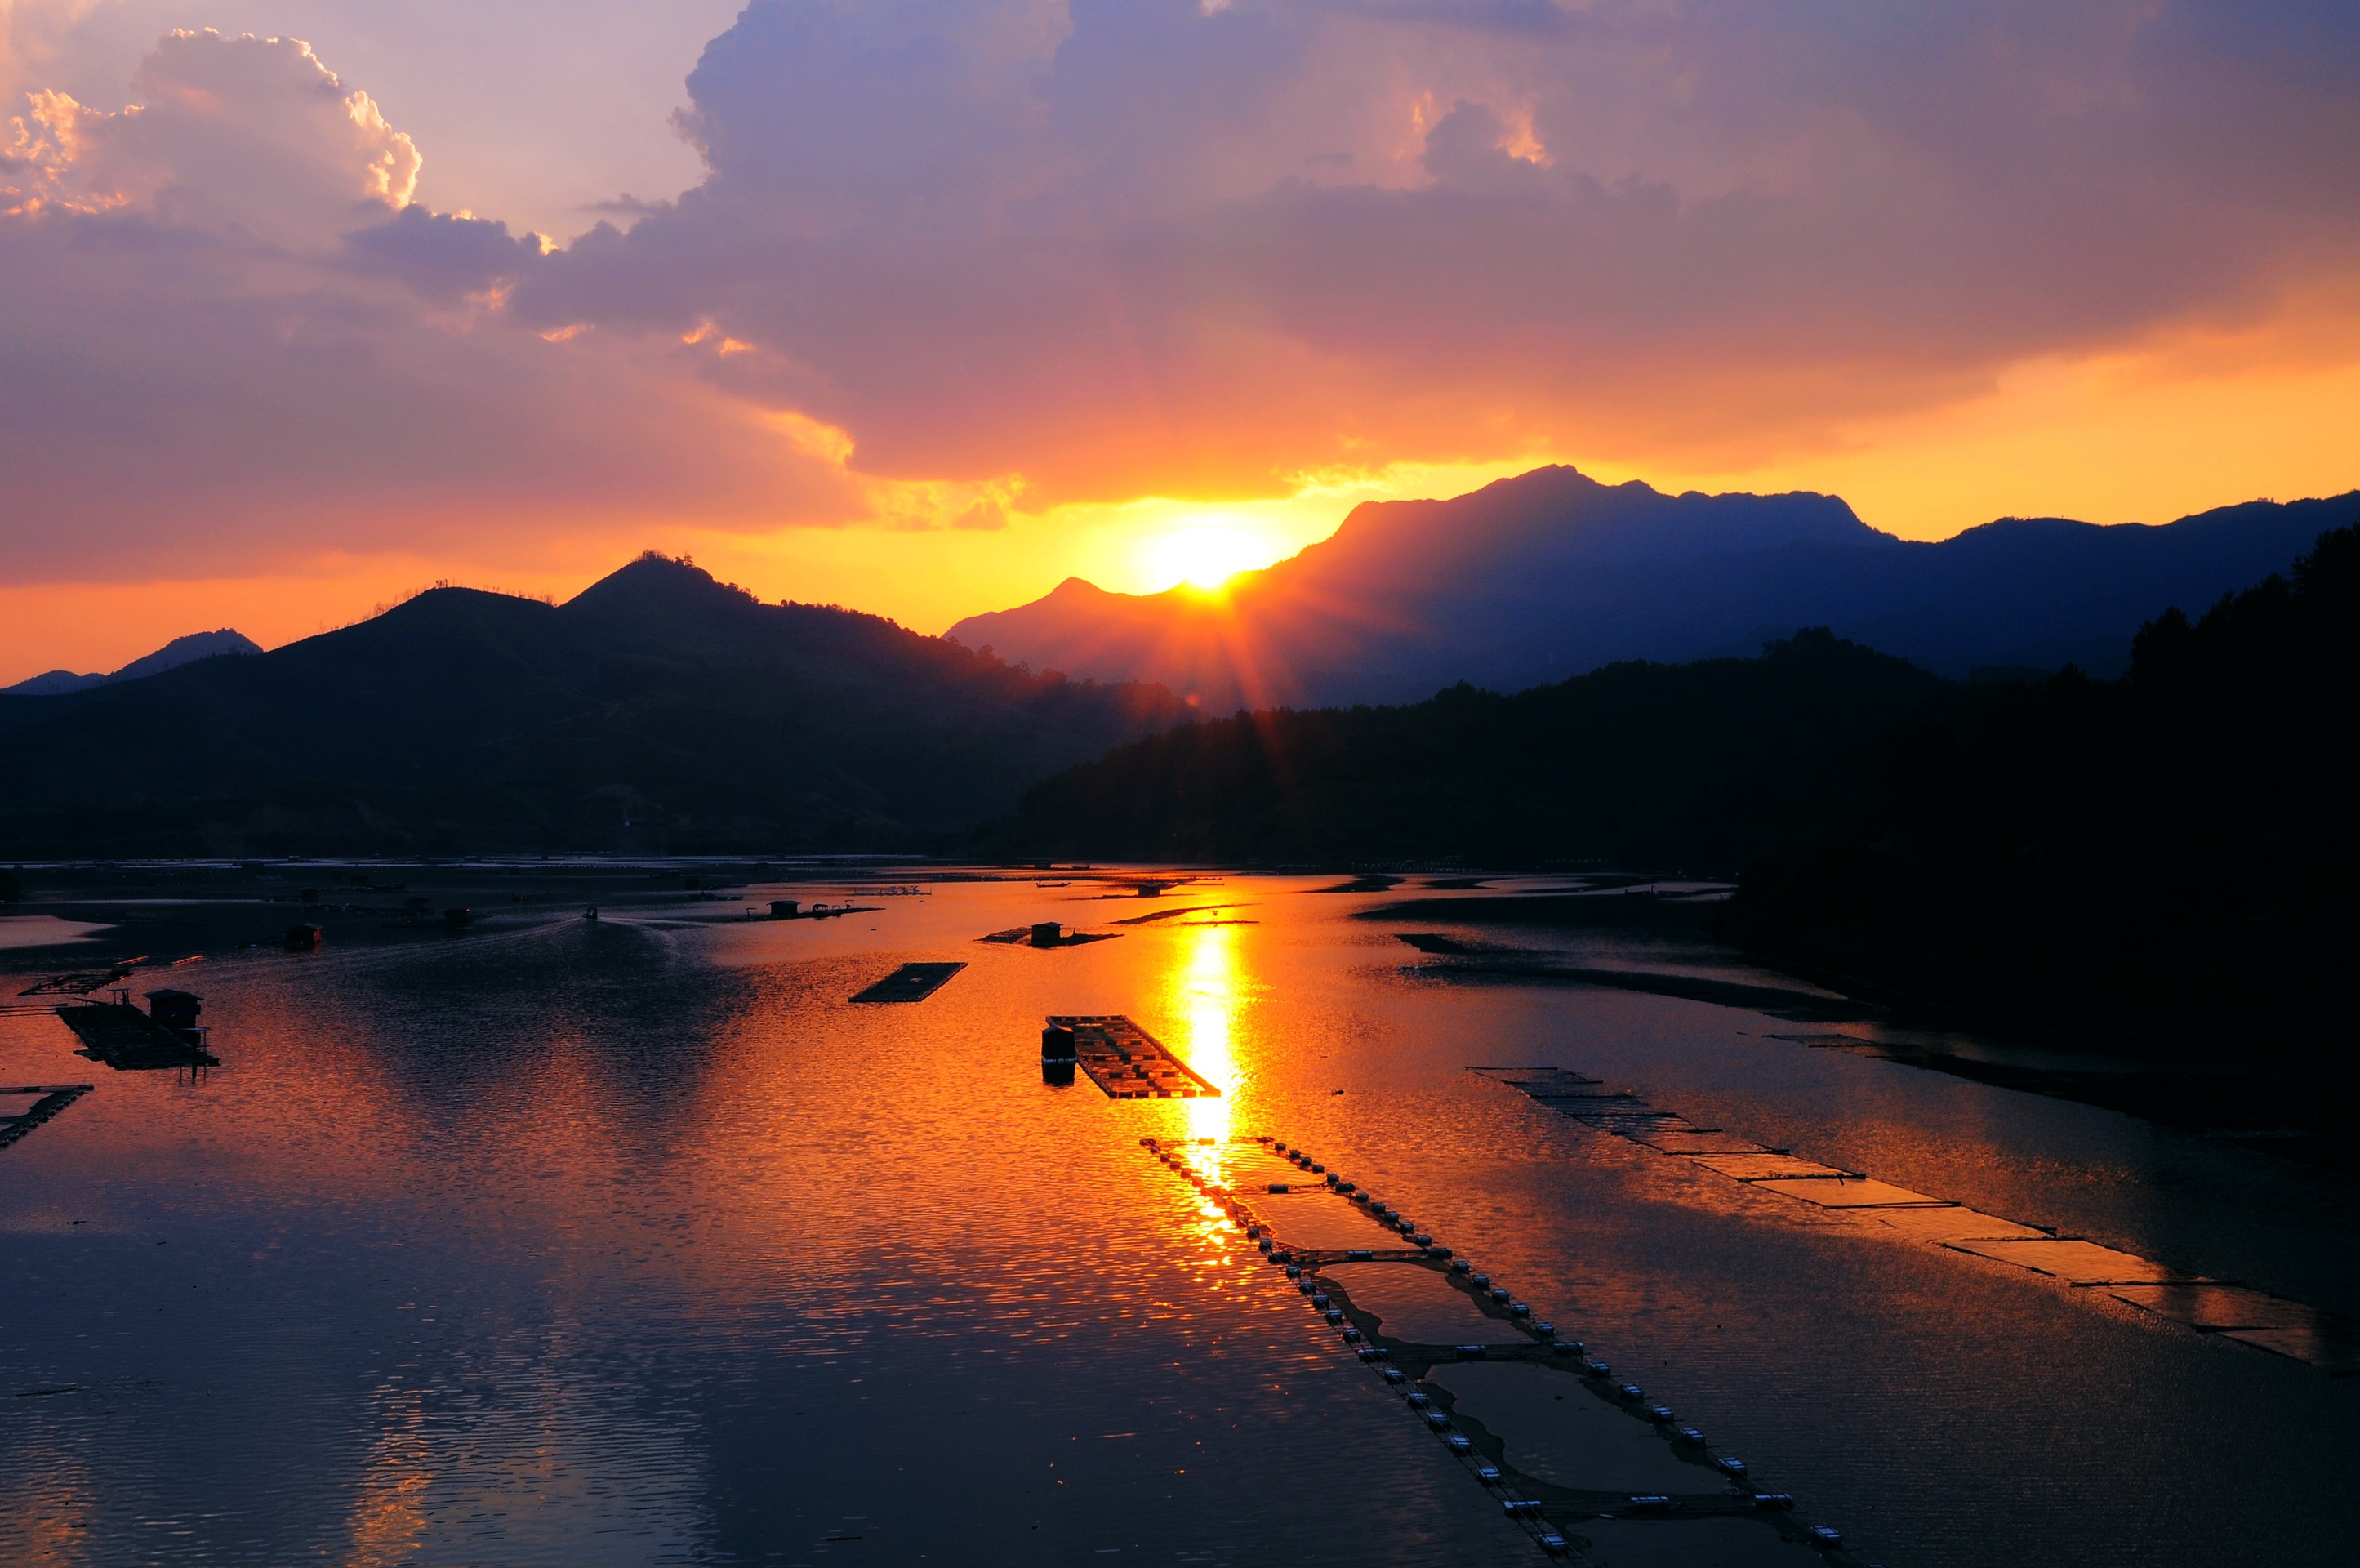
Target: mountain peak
[[657, 583], [171, 655], [1544, 575]]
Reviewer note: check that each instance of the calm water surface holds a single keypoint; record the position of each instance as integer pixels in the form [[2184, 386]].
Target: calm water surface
[[634, 1241]]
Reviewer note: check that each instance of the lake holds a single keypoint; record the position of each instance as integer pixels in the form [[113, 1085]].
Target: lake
[[635, 1240]]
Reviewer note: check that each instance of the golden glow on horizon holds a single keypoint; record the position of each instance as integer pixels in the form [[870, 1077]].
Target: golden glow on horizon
[[1207, 555], [2190, 422]]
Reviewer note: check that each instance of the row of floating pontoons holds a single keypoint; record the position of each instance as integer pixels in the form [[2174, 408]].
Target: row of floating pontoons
[[46, 1100], [1551, 1513]]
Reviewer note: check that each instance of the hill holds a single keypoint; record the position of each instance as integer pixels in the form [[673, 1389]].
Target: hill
[[657, 709], [1704, 765], [2162, 860], [1550, 573], [2167, 856], [171, 656]]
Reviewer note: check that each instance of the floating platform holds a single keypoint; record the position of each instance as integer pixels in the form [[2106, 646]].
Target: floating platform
[[2209, 1306], [83, 983], [1024, 936], [1128, 1062], [129, 1040], [911, 983], [47, 1101]]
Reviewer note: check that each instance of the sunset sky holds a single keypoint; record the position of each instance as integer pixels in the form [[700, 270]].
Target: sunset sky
[[922, 306]]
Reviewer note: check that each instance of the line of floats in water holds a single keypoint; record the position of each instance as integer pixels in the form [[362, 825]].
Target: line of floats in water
[[1302, 1266]]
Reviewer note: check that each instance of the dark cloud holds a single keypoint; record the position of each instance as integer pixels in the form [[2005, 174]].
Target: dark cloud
[[445, 256], [1065, 249], [1138, 244]]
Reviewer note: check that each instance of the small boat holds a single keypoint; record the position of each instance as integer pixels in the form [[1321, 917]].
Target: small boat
[[591, 913]]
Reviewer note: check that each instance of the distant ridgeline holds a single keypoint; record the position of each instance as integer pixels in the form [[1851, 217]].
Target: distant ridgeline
[[659, 709], [171, 656], [2170, 854], [1551, 574]]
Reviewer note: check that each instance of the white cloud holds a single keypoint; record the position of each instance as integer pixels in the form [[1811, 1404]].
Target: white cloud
[[251, 135]]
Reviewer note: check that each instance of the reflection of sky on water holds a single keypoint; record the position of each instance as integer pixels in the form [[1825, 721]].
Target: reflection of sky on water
[[44, 931], [636, 1242]]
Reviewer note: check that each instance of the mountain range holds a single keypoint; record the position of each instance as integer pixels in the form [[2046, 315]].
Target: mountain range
[[663, 709], [1550, 573], [171, 656], [657, 710], [2158, 861]]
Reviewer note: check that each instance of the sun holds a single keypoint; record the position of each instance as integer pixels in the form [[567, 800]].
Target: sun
[[1204, 556]]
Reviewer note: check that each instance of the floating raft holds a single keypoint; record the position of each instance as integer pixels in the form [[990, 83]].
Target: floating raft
[[2208, 1306], [50, 1099], [1024, 936], [911, 983], [126, 1040], [82, 982], [1128, 1062]]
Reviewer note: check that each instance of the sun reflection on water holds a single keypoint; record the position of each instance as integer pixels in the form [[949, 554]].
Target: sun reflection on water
[[1206, 990]]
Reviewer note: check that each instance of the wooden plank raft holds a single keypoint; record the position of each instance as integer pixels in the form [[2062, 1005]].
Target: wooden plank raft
[[1128, 1062], [911, 983], [125, 1039]]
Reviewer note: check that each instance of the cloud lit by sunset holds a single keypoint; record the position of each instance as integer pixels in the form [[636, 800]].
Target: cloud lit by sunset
[[944, 303]]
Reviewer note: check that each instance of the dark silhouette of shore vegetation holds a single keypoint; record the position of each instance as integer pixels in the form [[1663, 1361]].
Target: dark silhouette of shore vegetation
[[2165, 859]]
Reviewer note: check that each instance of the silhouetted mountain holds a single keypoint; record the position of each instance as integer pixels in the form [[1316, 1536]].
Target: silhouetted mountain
[[171, 656], [1704, 765], [1550, 573], [2165, 856], [2162, 859], [657, 708]]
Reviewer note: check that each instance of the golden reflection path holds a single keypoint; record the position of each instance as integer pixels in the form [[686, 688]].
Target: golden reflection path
[[1208, 989]]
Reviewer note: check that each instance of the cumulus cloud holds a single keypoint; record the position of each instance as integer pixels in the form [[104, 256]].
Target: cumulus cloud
[[1127, 245], [225, 337], [252, 134]]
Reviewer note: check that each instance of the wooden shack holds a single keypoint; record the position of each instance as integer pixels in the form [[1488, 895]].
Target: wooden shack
[[176, 1009]]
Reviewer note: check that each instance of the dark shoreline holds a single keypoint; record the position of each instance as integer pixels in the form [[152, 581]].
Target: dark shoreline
[[2173, 1084]]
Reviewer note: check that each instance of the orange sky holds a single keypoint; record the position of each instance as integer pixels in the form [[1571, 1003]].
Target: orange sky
[[2174, 438]]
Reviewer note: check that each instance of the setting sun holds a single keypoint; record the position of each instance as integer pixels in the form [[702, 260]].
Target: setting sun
[[1205, 556]]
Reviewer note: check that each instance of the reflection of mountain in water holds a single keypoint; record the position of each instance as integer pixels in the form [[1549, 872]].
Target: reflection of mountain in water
[[1548, 575]]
